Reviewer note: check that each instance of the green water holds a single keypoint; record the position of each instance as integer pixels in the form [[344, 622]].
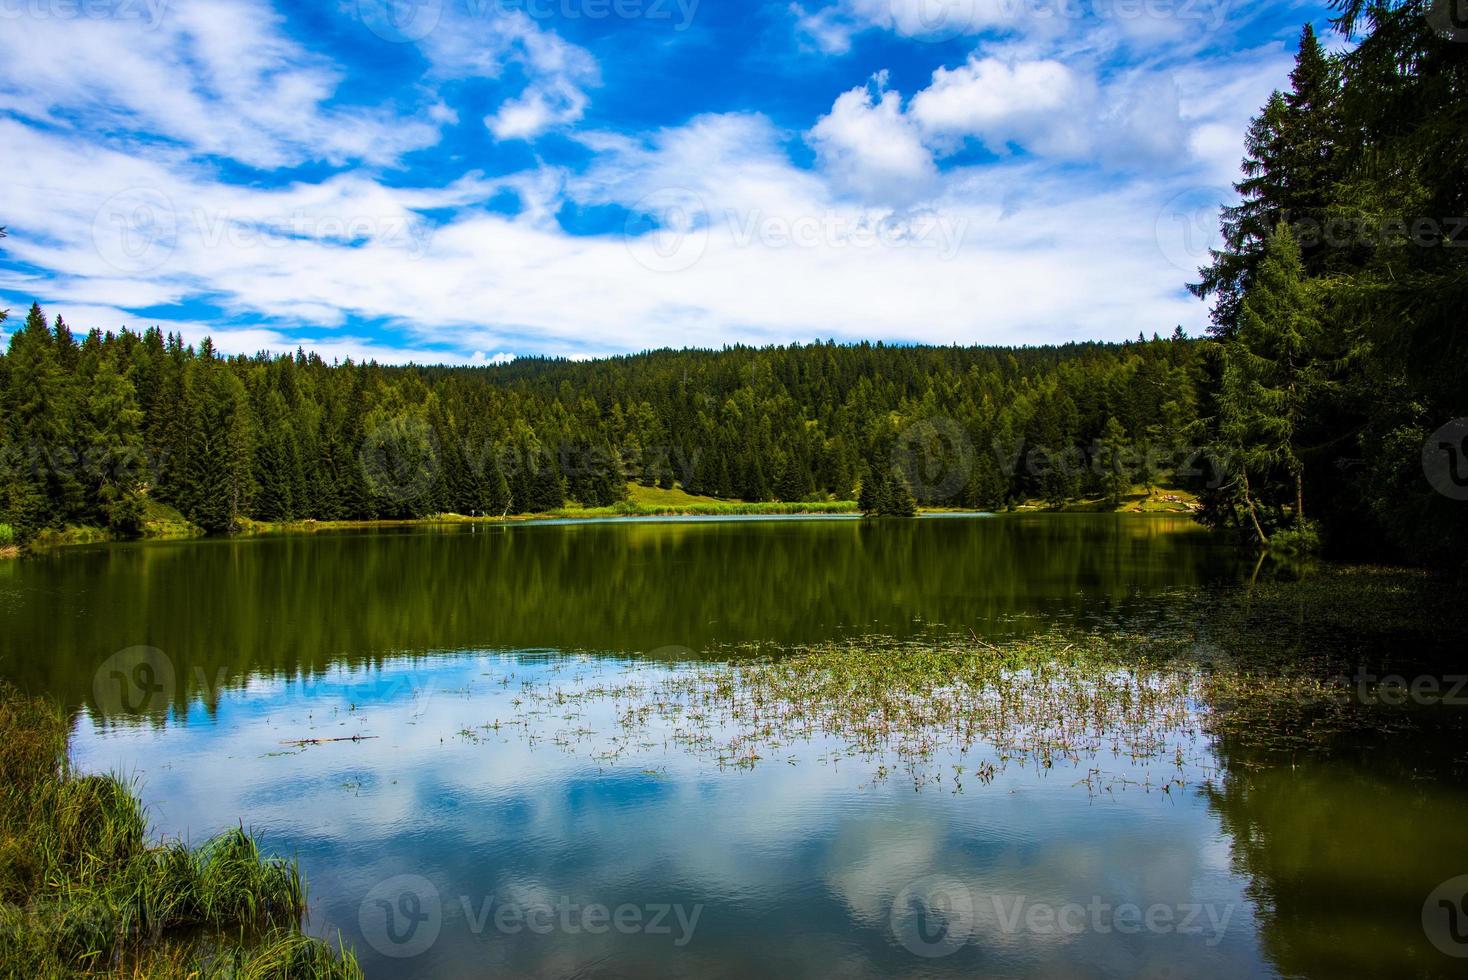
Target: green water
[[440, 846], [289, 603]]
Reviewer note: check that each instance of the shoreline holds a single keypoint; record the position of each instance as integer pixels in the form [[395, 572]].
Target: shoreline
[[77, 537], [169, 525]]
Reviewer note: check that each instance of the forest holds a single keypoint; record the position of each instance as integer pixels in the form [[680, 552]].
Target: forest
[[1302, 420], [97, 424]]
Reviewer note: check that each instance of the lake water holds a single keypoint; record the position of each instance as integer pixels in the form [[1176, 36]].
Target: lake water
[[487, 824]]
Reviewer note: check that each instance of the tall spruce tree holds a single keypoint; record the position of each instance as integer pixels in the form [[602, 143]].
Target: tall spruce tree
[[116, 466], [219, 467], [1289, 175], [1272, 374], [1111, 461]]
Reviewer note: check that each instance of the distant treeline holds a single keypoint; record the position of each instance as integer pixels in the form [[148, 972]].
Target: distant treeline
[[94, 427], [1322, 406]]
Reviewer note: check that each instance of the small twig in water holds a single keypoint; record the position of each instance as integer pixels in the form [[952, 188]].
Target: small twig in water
[[323, 741]]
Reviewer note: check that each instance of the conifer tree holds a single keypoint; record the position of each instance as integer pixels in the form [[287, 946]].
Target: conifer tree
[[1111, 453], [41, 407], [546, 491], [219, 482], [1272, 372], [277, 461], [1289, 174], [756, 488], [900, 501], [870, 497], [1279, 345], [114, 452], [496, 498]]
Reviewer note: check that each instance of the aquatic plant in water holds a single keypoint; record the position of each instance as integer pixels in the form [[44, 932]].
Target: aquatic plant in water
[[83, 892], [1265, 667]]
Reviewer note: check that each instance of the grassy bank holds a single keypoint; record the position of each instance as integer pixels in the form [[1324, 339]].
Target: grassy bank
[[1137, 500], [722, 508], [657, 502], [162, 521], [641, 502], [83, 893]]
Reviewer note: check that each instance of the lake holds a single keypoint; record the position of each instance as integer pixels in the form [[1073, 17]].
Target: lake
[[494, 793]]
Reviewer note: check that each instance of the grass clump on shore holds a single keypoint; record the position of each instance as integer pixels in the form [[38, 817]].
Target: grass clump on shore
[[83, 893]]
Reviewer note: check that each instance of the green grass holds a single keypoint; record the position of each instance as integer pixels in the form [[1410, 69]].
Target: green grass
[[1160, 500], [658, 497], [83, 892], [641, 502], [71, 534], [1137, 500], [161, 520], [721, 508], [656, 502]]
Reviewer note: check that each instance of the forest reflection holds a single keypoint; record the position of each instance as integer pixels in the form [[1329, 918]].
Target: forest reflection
[[230, 609]]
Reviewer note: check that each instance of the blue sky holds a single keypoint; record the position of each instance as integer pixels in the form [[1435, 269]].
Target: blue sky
[[469, 180]]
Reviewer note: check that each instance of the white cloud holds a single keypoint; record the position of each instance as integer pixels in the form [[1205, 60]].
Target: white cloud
[[1217, 97], [216, 77], [249, 340], [1018, 255], [1184, 24], [1055, 110], [1038, 104], [731, 240], [486, 39], [872, 148], [832, 27], [542, 107]]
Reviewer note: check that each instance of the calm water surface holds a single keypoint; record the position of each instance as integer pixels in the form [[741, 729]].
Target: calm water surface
[[444, 844]]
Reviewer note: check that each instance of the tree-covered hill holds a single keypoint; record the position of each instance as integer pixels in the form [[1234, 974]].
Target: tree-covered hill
[[93, 426]]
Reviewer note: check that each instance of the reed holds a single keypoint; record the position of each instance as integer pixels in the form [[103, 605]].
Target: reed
[[84, 893]]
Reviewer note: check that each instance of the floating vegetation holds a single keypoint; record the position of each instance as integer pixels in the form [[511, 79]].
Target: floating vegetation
[[1263, 666], [901, 706]]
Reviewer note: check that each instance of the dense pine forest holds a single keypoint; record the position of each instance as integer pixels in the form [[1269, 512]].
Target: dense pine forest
[[96, 425], [1337, 352]]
